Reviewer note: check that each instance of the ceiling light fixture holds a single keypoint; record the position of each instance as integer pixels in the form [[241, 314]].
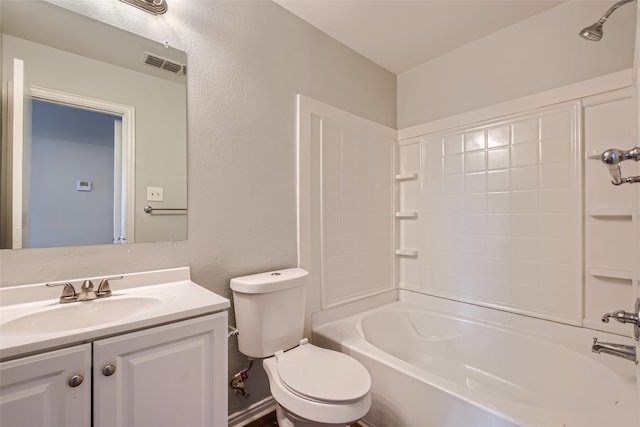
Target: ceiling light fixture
[[157, 7]]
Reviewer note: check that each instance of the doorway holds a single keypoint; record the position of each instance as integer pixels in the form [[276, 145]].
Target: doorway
[[70, 187]]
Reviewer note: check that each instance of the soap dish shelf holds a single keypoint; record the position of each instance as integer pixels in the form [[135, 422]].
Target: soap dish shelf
[[407, 176], [407, 252], [407, 215]]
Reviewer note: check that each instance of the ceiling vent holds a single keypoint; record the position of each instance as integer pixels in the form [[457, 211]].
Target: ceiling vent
[[164, 63]]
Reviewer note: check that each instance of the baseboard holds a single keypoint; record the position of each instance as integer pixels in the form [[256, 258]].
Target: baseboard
[[252, 413]]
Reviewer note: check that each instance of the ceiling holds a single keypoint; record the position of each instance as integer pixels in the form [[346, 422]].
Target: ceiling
[[399, 34]]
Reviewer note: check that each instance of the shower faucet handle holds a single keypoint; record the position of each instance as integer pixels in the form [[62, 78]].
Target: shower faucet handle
[[613, 157], [626, 317], [621, 316]]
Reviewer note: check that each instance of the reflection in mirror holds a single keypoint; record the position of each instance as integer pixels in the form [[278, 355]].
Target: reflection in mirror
[[95, 131]]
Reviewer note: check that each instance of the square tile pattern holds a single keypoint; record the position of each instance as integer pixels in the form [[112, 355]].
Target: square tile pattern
[[495, 222], [357, 212]]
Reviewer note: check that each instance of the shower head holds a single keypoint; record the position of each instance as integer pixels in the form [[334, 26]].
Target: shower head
[[594, 31]]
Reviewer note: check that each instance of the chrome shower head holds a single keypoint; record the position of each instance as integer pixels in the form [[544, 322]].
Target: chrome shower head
[[594, 31]]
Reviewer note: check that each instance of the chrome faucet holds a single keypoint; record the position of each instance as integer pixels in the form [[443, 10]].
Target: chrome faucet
[[626, 317], [620, 350], [612, 158], [87, 292]]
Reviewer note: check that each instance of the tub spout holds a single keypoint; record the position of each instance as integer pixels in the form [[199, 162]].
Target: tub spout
[[620, 350]]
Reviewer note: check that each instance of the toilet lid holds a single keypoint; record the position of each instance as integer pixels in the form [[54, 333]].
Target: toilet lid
[[324, 375]]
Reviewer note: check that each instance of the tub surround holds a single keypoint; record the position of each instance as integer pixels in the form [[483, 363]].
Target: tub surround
[[489, 217], [514, 210]]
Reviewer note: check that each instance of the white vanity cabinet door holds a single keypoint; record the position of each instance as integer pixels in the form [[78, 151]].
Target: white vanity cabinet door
[[168, 376], [36, 390]]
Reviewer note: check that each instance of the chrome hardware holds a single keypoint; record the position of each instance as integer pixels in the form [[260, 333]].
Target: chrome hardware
[[108, 370], [103, 289], [86, 291], [76, 380], [612, 158], [238, 381], [68, 292], [626, 317], [151, 209], [232, 332], [619, 350]]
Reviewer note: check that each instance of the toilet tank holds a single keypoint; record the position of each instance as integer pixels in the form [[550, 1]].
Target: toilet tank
[[269, 309]]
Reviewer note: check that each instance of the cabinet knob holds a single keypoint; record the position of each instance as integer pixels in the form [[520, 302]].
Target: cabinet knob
[[108, 370], [76, 380]]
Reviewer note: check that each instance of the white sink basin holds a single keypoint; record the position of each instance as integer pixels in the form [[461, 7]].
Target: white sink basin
[[32, 318], [78, 315]]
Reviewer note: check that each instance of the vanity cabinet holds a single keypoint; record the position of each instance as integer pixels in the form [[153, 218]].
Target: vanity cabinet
[[173, 375], [170, 375], [36, 390]]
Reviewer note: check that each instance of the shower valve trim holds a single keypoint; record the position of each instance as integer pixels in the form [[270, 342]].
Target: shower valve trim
[[613, 157]]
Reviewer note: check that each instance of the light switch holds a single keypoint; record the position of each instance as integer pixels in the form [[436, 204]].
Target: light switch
[[155, 194]]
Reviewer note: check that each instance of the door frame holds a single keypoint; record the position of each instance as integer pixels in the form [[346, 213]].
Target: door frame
[[127, 166]]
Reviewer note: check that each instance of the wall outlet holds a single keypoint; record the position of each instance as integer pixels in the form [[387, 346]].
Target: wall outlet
[[155, 194]]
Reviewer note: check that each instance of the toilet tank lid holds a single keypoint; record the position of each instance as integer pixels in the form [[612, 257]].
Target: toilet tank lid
[[270, 281]]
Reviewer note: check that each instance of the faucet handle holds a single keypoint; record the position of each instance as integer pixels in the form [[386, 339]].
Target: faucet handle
[[68, 292], [104, 290], [626, 317]]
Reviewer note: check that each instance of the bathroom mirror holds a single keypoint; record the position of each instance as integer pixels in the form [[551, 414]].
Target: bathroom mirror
[[94, 146]]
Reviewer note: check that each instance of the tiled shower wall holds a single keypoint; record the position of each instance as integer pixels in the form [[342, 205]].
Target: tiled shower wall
[[357, 195], [490, 214]]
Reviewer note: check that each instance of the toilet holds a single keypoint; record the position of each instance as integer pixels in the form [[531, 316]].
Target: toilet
[[312, 386]]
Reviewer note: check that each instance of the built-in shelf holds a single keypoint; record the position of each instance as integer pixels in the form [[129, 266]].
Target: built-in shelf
[[407, 176], [611, 273], [621, 212], [407, 252], [411, 214]]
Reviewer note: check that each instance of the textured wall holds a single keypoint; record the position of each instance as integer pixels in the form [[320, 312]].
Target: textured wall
[[247, 60], [540, 53]]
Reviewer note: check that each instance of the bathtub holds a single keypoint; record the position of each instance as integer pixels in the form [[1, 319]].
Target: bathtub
[[441, 363]]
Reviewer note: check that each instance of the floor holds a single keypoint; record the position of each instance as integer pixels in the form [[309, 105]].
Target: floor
[[267, 420], [270, 420]]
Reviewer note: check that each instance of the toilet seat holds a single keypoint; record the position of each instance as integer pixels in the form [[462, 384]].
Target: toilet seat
[[308, 381], [322, 375]]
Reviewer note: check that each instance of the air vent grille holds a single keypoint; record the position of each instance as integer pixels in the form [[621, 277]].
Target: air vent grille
[[164, 64], [173, 67]]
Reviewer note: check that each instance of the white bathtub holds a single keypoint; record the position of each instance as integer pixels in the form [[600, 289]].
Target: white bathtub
[[432, 368]]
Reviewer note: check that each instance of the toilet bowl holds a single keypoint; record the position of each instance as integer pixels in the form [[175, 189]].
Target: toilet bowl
[[312, 386]]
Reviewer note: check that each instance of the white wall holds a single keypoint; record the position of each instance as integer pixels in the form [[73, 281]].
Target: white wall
[[540, 53], [247, 60]]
